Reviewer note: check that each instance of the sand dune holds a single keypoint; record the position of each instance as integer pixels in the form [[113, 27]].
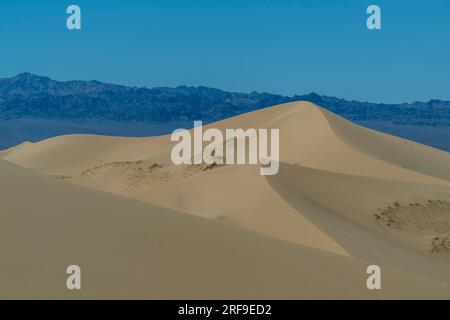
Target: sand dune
[[346, 208], [404, 153], [128, 249], [345, 197], [71, 154], [307, 138]]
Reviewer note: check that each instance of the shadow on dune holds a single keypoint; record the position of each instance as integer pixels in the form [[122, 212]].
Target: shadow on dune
[[341, 206]]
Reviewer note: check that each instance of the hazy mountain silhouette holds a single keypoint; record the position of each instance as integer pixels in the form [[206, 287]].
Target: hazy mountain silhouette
[[33, 108], [31, 96]]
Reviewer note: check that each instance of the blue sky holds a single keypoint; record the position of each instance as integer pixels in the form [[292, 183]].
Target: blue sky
[[281, 46]]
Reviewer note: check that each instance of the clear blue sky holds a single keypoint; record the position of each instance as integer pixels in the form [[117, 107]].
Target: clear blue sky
[[281, 46]]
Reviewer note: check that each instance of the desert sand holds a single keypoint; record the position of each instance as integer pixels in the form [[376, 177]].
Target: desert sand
[[345, 197]]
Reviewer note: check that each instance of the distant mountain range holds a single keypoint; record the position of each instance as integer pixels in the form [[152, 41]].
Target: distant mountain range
[[34, 108], [28, 96]]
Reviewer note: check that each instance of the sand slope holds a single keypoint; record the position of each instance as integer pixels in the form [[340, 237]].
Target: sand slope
[[402, 152], [307, 137], [128, 249], [345, 197], [140, 168], [346, 208]]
